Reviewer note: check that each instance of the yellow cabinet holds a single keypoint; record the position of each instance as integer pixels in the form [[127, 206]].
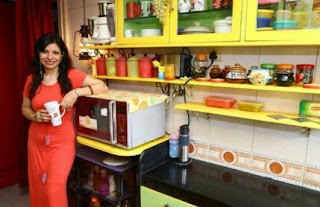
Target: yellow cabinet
[[283, 22], [153, 198], [205, 23]]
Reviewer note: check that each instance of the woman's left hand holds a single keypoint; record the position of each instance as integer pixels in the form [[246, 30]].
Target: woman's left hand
[[68, 100]]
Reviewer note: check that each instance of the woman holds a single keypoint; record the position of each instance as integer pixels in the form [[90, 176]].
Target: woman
[[51, 150]]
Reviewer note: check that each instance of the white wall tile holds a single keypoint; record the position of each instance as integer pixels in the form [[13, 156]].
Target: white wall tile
[[280, 141], [313, 153]]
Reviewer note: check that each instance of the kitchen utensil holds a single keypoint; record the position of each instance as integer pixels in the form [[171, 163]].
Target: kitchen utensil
[[198, 5], [265, 13], [283, 15], [284, 79], [184, 144], [111, 22], [304, 74], [223, 25], [260, 76], [111, 65], [236, 74], [101, 66], [263, 22], [53, 108], [184, 6], [133, 10], [277, 25], [121, 66], [150, 32], [197, 29], [133, 65], [200, 65]]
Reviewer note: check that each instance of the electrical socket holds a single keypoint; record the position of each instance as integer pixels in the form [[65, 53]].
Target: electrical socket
[[218, 57]]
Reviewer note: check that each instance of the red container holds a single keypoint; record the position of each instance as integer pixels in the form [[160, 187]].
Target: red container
[[121, 66], [133, 10], [145, 67], [219, 101], [101, 66], [304, 74]]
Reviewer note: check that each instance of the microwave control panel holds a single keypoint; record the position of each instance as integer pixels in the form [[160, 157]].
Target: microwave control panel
[[122, 123]]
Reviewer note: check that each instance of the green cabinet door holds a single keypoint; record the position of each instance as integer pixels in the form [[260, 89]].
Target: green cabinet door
[[151, 198]]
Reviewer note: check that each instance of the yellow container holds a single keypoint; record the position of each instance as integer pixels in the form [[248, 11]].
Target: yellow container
[[266, 13], [169, 72], [250, 106]]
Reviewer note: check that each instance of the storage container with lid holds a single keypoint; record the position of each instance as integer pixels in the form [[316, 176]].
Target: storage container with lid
[[284, 68], [219, 101], [200, 65], [215, 72], [304, 74], [133, 66], [111, 65], [272, 67], [223, 25], [236, 74], [250, 106], [121, 66], [145, 67]]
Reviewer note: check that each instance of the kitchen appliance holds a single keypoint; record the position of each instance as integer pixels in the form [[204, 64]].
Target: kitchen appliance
[[123, 118], [182, 62]]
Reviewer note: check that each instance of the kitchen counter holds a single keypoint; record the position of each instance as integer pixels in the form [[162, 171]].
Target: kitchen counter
[[205, 184]]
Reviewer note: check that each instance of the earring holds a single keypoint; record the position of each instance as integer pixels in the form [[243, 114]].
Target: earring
[[41, 73]]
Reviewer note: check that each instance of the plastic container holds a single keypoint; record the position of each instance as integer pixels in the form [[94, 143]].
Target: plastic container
[[101, 66], [222, 26], [174, 146], [121, 66], [263, 22], [266, 13], [260, 76], [219, 101], [169, 72], [304, 74], [111, 65], [145, 67], [283, 15], [133, 66], [250, 106], [285, 25]]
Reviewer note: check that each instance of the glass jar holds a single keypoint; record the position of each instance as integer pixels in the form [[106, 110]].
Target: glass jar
[[200, 65], [236, 74], [316, 14], [304, 74], [272, 67], [284, 68]]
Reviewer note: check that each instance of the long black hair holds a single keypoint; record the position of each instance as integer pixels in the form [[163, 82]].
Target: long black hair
[[64, 65]]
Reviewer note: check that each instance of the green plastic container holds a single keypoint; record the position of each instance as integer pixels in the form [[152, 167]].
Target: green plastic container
[[133, 66], [111, 65]]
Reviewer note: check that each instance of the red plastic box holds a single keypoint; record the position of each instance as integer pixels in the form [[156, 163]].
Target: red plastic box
[[219, 101]]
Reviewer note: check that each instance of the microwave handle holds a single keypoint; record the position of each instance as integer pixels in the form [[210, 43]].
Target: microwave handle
[[112, 122]]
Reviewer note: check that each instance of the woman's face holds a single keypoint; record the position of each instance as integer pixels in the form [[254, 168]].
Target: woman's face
[[51, 57]]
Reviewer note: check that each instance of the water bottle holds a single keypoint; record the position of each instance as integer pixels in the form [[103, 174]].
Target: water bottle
[[174, 146]]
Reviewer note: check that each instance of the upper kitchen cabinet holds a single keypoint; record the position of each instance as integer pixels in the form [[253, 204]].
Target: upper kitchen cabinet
[[139, 23], [205, 21], [294, 22], [178, 22]]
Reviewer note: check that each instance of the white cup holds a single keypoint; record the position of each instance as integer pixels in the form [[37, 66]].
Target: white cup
[[53, 107], [128, 33]]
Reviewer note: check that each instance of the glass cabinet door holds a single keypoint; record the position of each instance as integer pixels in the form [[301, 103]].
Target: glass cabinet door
[[139, 23], [287, 20], [205, 20]]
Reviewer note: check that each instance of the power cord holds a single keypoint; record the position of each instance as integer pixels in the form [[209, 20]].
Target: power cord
[[213, 56]]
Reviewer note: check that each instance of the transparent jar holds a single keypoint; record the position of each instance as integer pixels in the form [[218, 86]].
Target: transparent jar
[[174, 146], [200, 65], [272, 67], [304, 74]]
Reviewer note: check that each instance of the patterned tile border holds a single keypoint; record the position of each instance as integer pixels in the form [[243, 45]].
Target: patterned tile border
[[266, 166]]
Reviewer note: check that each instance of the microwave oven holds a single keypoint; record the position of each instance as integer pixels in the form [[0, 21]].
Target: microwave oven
[[122, 118]]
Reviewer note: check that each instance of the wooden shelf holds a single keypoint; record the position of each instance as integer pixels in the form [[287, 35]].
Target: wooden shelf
[[114, 150], [291, 89], [258, 116]]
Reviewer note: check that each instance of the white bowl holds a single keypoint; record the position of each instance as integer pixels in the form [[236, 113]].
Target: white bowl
[[150, 32]]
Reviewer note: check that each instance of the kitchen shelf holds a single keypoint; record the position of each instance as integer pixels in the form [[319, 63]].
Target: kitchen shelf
[[292, 89], [99, 47], [258, 116], [114, 150], [96, 157]]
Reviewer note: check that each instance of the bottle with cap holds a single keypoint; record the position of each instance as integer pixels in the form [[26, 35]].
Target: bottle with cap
[[174, 146], [184, 144]]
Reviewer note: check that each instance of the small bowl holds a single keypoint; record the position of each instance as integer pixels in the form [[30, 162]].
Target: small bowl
[[263, 22], [150, 32], [266, 13]]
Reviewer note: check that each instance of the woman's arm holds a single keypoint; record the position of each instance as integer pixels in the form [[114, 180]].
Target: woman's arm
[[90, 86], [27, 111]]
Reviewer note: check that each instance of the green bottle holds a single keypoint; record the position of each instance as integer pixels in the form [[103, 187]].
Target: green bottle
[[111, 65]]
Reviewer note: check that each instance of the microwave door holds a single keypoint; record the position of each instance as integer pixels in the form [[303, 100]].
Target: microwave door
[[112, 122]]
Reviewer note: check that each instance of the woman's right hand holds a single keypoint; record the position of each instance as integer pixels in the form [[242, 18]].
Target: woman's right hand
[[42, 115]]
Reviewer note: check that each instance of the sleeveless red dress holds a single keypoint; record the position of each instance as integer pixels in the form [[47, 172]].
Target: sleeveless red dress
[[51, 150]]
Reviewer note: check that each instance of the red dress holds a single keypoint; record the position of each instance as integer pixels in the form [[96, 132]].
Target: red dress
[[51, 150]]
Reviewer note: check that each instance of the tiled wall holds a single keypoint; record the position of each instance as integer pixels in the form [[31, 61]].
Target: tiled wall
[[277, 151]]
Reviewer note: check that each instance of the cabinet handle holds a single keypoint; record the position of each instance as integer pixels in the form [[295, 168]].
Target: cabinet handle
[[167, 205]]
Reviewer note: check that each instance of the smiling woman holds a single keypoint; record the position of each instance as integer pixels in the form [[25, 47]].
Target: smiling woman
[[51, 148]]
